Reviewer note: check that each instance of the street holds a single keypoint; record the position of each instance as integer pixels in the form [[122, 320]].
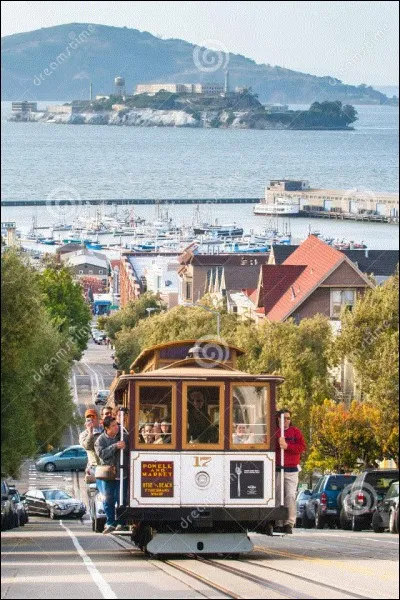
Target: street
[[64, 558]]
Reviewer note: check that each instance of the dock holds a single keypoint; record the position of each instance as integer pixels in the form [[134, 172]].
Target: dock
[[129, 201]]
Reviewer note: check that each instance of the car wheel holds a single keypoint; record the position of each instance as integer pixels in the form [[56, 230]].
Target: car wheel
[[319, 520], [50, 467], [356, 524], [299, 522], [307, 522], [98, 525], [52, 515], [345, 523], [377, 524]]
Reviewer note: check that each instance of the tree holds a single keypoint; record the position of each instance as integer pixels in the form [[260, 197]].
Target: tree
[[343, 439], [301, 353], [36, 359], [131, 314], [370, 340], [66, 305]]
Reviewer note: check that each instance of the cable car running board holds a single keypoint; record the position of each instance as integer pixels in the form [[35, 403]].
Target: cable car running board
[[200, 543]]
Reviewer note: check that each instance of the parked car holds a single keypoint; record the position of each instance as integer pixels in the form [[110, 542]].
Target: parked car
[[384, 516], [19, 507], [367, 490], [301, 499], [73, 458], [99, 338], [101, 397], [322, 506], [7, 513], [53, 504], [96, 508]]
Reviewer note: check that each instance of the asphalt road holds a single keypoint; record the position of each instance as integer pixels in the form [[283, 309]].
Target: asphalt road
[[65, 559]]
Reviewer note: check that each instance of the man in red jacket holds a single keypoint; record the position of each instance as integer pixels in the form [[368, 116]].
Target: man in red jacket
[[293, 445]]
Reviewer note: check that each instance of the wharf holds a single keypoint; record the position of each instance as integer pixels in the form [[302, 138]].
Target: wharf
[[374, 218], [125, 201]]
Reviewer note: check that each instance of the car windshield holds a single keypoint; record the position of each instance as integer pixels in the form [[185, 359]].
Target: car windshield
[[336, 484], [56, 495]]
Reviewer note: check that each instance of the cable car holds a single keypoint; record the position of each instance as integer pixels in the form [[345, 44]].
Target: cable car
[[202, 449]]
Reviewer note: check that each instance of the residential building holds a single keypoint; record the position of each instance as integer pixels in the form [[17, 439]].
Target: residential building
[[314, 279], [149, 271], [92, 265], [217, 274], [379, 264]]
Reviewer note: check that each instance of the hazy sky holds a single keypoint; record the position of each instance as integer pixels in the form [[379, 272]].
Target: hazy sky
[[354, 41]]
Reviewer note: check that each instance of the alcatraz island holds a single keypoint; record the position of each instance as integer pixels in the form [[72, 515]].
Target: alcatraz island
[[188, 105]]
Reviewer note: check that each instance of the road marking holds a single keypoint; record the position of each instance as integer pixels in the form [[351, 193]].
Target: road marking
[[97, 577], [380, 541]]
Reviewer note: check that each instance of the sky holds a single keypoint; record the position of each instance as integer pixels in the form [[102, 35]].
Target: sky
[[356, 42]]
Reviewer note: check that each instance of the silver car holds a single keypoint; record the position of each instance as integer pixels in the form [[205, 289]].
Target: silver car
[[53, 503]]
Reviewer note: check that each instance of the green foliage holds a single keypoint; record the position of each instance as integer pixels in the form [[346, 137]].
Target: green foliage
[[370, 339], [36, 359], [343, 439], [65, 303], [129, 317], [301, 353]]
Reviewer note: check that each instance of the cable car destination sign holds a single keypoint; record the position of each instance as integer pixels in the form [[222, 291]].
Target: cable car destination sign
[[157, 479]]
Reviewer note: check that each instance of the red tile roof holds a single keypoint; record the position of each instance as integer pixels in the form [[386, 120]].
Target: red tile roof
[[277, 279], [309, 265]]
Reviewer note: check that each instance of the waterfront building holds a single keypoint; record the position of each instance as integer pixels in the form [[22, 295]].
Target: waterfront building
[[208, 89], [301, 198], [23, 107]]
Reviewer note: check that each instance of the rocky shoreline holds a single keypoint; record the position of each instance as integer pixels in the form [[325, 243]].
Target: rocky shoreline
[[168, 118]]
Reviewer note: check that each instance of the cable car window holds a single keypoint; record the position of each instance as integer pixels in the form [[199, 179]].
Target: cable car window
[[250, 419], [155, 415], [203, 414]]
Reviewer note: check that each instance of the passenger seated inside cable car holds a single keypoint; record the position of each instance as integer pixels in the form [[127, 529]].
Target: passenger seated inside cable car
[[249, 414], [202, 415], [153, 417]]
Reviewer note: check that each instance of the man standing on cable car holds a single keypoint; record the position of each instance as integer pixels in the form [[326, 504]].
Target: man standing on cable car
[[293, 444]]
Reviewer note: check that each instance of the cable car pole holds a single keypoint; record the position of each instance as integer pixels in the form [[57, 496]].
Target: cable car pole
[[121, 456], [282, 460]]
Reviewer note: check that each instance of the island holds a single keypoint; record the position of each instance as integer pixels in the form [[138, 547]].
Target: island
[[232, 110]]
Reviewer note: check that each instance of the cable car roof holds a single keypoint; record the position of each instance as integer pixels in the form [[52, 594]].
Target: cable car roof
[[148, 353]]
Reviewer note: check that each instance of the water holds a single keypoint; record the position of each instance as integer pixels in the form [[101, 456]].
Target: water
[[53, 161]]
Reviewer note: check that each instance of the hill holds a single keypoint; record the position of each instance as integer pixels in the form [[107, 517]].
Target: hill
[[57, 63]]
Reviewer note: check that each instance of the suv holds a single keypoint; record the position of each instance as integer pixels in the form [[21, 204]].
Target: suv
[[322, 507], [365, 493]]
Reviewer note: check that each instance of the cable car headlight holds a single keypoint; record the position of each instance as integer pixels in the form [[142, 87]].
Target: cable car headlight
[[202, 479]]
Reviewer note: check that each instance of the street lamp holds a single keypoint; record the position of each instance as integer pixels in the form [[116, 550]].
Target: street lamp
[[214, 312]]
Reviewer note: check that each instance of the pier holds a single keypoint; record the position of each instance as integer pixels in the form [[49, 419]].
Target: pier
[[127, 201]]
